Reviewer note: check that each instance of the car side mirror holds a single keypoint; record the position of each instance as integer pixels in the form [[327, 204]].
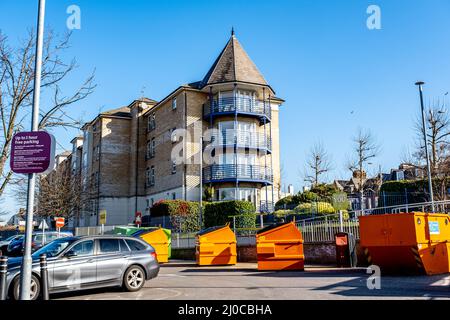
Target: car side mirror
[[70, 254]]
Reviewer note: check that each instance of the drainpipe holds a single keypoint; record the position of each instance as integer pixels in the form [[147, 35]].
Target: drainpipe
[[184, 148], [99, 170], [235, 142], [136, 174]]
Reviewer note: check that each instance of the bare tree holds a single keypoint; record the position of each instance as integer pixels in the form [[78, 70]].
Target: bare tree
[[280, 184], [16, 91], [437, 123], [365, 148], [318, 164], [60, 193]]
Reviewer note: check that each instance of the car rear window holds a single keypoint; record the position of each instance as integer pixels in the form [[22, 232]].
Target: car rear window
[[123, 246], [136, 245], [109, 245]]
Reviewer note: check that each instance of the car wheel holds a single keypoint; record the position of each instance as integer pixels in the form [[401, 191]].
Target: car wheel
[[35, 288], [134, 278]]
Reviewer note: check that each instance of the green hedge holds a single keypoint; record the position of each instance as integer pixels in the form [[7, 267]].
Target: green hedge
[[305, 215], [315, 207], [217, 213], [184, 215], [402, 185]]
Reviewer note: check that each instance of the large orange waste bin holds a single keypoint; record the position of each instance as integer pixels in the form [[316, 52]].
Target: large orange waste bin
[[216, 246], [407, 242], [157, 238], [280, 247]]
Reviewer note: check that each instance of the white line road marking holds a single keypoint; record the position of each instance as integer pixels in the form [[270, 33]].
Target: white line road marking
[[171, 275], [176, 293]]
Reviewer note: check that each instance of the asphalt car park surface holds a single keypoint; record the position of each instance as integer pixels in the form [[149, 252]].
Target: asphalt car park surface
[[184, 280]]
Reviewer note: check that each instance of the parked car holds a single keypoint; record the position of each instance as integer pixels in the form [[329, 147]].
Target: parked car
[[39, 239], [78, 263], [4, 243]]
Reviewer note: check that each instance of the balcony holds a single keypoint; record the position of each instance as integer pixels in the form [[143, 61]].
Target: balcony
[[266, 207], [241, 139], [237, 173], [240, 106]]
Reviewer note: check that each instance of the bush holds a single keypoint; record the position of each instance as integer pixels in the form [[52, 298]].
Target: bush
[[217, 214], [314, 207], [284, 201], [282, 213], [306, 196], [184, 215]]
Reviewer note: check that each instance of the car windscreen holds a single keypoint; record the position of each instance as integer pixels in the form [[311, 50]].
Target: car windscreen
[[55, 247]]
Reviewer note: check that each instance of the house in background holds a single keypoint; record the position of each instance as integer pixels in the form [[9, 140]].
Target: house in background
[[352, 187], [406, 172]]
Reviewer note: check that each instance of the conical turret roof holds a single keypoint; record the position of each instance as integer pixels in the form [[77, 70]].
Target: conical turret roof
[[233, 65]]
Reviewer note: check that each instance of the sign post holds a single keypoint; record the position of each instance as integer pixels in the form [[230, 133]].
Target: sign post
[[59, 223], [43, 225], [102, 219], [138, 219], [25, 274]]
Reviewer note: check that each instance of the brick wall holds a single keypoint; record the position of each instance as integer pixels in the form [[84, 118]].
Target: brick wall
[[317, 253]]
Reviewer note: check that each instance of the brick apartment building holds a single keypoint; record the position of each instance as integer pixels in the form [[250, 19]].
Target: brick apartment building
[[124, 157]]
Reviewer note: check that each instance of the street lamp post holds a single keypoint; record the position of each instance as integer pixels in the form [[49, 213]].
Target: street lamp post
[[430, 183], [25, 276], [201, 181]]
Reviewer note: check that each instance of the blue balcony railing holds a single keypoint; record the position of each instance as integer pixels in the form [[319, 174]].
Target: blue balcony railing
[[246, 106], [237, 172], [266, 206], [242, 139]]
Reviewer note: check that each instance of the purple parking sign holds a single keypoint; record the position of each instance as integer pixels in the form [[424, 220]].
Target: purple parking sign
[[32, 152]]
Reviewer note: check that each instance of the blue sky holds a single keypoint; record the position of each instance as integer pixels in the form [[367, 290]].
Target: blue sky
[[335, 74]]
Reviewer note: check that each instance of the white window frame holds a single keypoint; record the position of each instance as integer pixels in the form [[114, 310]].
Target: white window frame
[[174, 103]]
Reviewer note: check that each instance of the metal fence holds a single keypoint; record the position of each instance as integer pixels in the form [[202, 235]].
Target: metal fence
[[188, 240], [93, 231], [323, 229]]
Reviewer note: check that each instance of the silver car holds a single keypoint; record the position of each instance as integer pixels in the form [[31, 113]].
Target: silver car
[[78, 263]]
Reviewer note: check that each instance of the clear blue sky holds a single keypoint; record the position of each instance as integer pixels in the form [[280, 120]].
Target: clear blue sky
[[334, 73]]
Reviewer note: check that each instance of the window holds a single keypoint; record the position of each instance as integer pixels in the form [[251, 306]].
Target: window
[[147, 177], [153, 148], [97, 179], [97, 152], [150, 175], [173, 135], [151, 122], [109, 245], [123, 246], [84, 248], [136, 245], [174, 167], [174, 196], [174, 103]]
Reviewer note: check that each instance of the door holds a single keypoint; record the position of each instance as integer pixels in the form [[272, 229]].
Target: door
[[246, 165], [76, 270], [247, 133], [245, 99], [111, 260]]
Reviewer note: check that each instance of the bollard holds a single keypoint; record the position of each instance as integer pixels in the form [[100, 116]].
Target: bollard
[[3, 272], [44, 277]]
